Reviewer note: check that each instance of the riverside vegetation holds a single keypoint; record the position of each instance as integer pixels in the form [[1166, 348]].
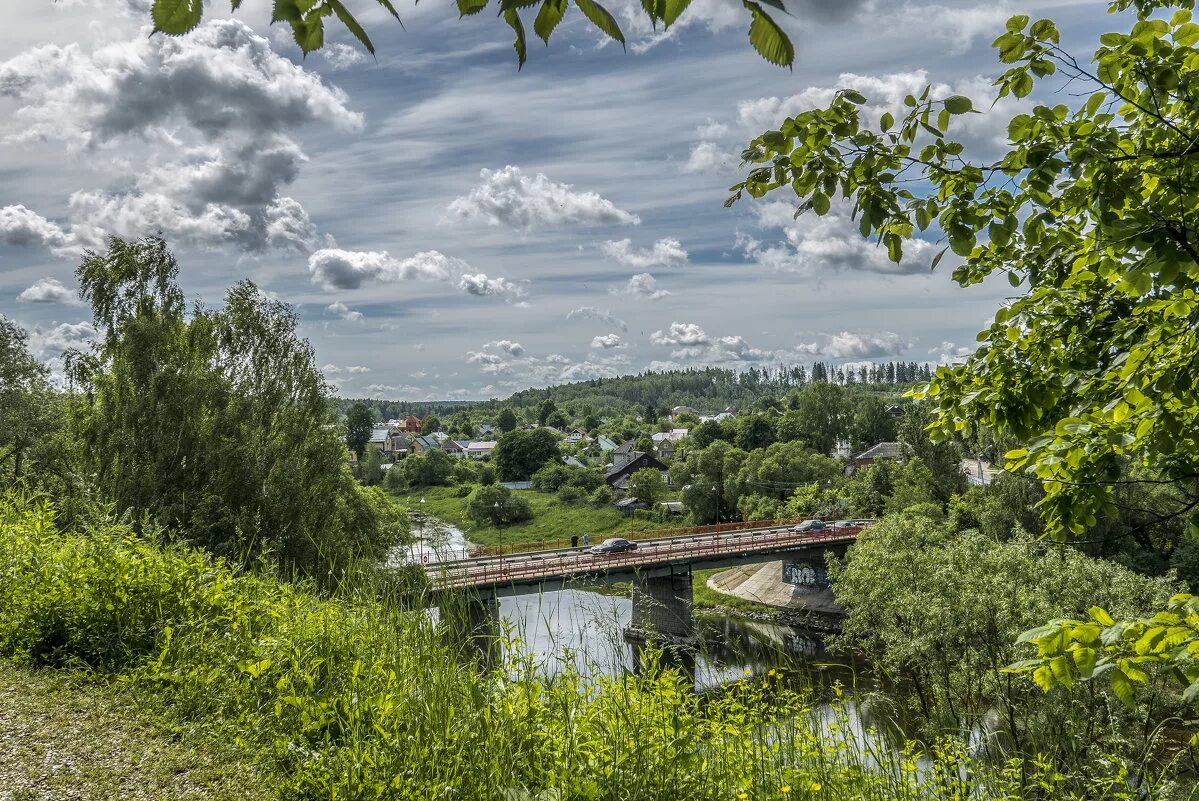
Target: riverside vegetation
[[358, 696]]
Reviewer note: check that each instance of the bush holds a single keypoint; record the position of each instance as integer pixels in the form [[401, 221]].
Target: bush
[[569, 494], [602, 496], [551, 478], [497, 506]]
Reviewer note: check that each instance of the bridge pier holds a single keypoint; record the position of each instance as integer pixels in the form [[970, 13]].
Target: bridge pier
[[662, 604], [472, 623]]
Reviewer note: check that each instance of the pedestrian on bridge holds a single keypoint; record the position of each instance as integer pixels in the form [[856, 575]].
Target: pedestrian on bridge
[[586, 539], [574, 540]]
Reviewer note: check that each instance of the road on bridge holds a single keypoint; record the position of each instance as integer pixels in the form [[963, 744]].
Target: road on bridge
[[537, 566]]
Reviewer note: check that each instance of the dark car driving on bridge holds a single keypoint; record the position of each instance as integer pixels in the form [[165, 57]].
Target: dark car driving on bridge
[[810, 525], [613, 545]]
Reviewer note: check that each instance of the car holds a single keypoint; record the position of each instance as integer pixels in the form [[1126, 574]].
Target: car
[[613, 545], [810, 525]]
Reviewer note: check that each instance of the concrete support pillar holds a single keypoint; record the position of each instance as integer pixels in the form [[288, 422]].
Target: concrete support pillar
[[662, 604], [472, 623]]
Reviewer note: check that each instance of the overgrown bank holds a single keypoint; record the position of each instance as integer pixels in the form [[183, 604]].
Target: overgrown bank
[[353, 697]]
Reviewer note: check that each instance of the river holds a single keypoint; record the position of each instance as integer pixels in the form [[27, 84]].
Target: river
[[585, 629]]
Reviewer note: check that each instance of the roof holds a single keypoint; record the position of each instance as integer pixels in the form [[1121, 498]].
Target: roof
[[670, 436], [628, 447], [427, 442], [629, 503], [572, 462], [378, 435], [480, 445], [883, 450], [632, 466], [604, 443]]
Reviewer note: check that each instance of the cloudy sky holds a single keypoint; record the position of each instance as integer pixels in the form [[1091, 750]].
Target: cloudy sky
[[449, 227]]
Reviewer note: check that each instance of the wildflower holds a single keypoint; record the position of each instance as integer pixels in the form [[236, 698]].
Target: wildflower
[[815, 787], [770, 672], [786, 788], [742, 796]]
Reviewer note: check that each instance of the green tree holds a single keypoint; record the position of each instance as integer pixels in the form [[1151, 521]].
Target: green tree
[[359, 423], [557, 420], [215, 423], [646, 485], [1090, 210], [940, 612], [754, 431], [820, 416], [430, 425], [497, 506], [29, 409], [708, 479], [544, 411], [428, 469], [520, 454], [506, 421], [870, 423]]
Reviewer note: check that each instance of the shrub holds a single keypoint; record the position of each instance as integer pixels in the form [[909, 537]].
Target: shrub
[[570, 495]]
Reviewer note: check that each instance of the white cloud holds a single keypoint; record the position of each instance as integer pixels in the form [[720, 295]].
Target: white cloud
[[209, 117], [857, 345], [687, 334], [557, 358], [950, 353], [667, 252], [357, 369], [507, 346], [608, 342], [23, 227], [709, 157], [735, 348], [642, 285], [53, 342], [587, 371], [48, 290], [594, 313], [509, 197], [345, 312], [480, 284], [488, 362], [342, 56]]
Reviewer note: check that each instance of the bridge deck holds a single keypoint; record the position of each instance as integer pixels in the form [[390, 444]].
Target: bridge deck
[[537, 567]]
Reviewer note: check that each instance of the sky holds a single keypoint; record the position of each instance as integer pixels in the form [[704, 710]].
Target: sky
[[449, 227]]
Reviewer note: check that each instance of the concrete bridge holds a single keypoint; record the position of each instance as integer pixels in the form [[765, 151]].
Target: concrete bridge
[[659, 569]]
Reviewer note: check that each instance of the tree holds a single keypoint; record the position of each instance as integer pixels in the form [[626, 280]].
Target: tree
[[708, 481], [820, 416], [544, 411], [430, 425], [29, 409], [506, 421], [557, 420], [754, 431], [646, 485], [428, 469], [1090, 209], [520, 454], [359, 422], [307, 21], [650, 415], [870, 423], [497, 506], [214, 423]]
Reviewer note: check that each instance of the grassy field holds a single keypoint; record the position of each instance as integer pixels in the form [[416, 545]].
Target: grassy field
[[62, 737], [552, 520]]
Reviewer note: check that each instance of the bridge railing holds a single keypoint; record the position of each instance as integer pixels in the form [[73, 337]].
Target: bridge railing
[[575, 563], [563, 543]]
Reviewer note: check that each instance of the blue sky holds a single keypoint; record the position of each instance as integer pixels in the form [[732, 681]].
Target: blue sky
[[449, 227]]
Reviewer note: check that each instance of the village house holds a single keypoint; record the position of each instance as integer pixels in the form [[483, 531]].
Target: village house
[[398, 444], [605, 444], [575, 436], [423, 444], [410, 425], [455, 448], [485, 430], [479, 449], [890, 451], [618, 477], [666, 442]]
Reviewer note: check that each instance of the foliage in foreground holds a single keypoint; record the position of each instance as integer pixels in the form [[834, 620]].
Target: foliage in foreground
[[1090, 208], [355, 698]]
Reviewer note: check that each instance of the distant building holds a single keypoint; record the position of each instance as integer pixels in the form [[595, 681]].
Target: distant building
[[889, 451], [623, 455], [455, 448], [571, 461], [378, 439], [666, 442], [618, 477], [410, 424], [629, 505], [423, 444], [605, 445], [479, 449], [575, 436], [485, 430], [398, 444]]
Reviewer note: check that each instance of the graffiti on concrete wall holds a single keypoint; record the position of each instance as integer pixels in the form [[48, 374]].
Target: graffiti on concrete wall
[[805, 576]]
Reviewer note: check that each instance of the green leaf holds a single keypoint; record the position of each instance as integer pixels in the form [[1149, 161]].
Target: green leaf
[[176, 17], [886, 121], [468, 7], [548, 17], [673, 10], [1187, 35], [1101, 616], [287, 11], [1084, 658], [857, 98], [820, 203], [768, 38], [958, 104], [348, 20], [601, 19], [506, 5], [309, 33], [513, 20], [1122, 687]]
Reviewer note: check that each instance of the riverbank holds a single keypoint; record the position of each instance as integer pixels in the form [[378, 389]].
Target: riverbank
[[553, 521], [62, 737]]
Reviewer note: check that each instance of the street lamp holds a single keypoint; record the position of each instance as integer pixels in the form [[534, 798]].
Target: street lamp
[[499, 523], [717, 508]]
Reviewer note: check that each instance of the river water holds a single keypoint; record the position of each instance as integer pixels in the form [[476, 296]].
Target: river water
[[584, 629]]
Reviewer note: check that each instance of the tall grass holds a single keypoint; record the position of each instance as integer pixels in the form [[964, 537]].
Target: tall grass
[[356, 697]]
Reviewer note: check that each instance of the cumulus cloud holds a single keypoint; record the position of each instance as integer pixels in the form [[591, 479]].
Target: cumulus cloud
[[686, 334], [506, 346], [480, 284], [642, 285], [587, 371], [815, 244], [23, 227], [48, 290], [951, 353], [488, 362], [857, 345], [710, 157], [211, 117], [342, 56], [666, 252], [345, 312], [735, 348], [595, 313], [511, 198], [608, 342], [49, 343]]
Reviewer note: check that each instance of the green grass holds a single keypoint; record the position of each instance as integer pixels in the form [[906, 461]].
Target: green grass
[[359, 697], [553, 521], [65, 737], [706, 598]]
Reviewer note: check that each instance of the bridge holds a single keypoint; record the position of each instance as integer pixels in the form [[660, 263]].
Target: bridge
[[659, 569]]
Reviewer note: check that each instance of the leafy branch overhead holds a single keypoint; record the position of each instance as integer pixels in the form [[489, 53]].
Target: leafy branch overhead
[[307, 20], [1094, 364]]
